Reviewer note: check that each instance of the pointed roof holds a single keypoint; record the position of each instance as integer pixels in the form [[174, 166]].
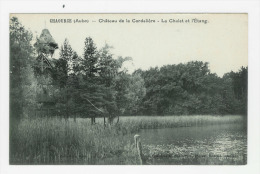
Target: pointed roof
[[45, 43]]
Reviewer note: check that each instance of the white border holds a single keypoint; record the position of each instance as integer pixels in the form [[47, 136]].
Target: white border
[[212, 6]]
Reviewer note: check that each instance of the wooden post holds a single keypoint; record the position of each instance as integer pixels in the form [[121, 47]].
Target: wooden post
[[74, 116], [91, 120], [67, 109], [139, 148]]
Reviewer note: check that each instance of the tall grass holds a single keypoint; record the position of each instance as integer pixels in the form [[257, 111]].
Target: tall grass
[[56, 141], [145, 122]]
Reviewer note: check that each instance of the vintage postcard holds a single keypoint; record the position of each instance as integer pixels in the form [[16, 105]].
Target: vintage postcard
[[128, 89]]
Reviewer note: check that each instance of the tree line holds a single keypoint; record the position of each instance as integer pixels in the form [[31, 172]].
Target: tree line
[[96, 83], [191, 89]]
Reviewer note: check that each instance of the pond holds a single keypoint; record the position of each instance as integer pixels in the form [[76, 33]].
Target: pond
[[224, 144]]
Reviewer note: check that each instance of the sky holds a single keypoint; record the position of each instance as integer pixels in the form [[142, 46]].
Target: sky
[[222, 40]]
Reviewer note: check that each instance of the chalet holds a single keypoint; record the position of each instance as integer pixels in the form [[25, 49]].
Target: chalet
[[45, 46]]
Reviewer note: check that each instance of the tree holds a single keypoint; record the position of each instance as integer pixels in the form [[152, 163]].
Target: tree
[[239, 86], [90, 89], [73, 85], [90, 58], [21, 60], [62, 66], [107, 71], [134, 94], [22, 81], [62, 70]]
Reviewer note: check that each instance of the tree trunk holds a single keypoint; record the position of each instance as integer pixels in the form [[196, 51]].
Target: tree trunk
[[74, 118], [104, 121]]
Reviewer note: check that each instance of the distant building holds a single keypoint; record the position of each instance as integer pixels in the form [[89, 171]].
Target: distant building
[[45, 46]]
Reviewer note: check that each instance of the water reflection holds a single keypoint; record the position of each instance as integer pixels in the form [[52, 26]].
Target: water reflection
[[215, 144]]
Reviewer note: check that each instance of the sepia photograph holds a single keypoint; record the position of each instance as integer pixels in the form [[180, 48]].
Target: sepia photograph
[[128, 89]]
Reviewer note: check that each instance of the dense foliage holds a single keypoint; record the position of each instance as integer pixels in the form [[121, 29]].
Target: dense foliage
[[191, 88], [96, 84], [22, 80]]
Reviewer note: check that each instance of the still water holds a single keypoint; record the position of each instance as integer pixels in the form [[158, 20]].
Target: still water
[[214, 144], [173, 135]]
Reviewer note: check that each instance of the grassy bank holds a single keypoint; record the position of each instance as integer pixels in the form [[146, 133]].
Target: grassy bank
[[56, 141], [145, 122]]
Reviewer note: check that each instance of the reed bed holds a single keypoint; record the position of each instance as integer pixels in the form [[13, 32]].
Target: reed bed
[[55, 141], [155, 122]]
